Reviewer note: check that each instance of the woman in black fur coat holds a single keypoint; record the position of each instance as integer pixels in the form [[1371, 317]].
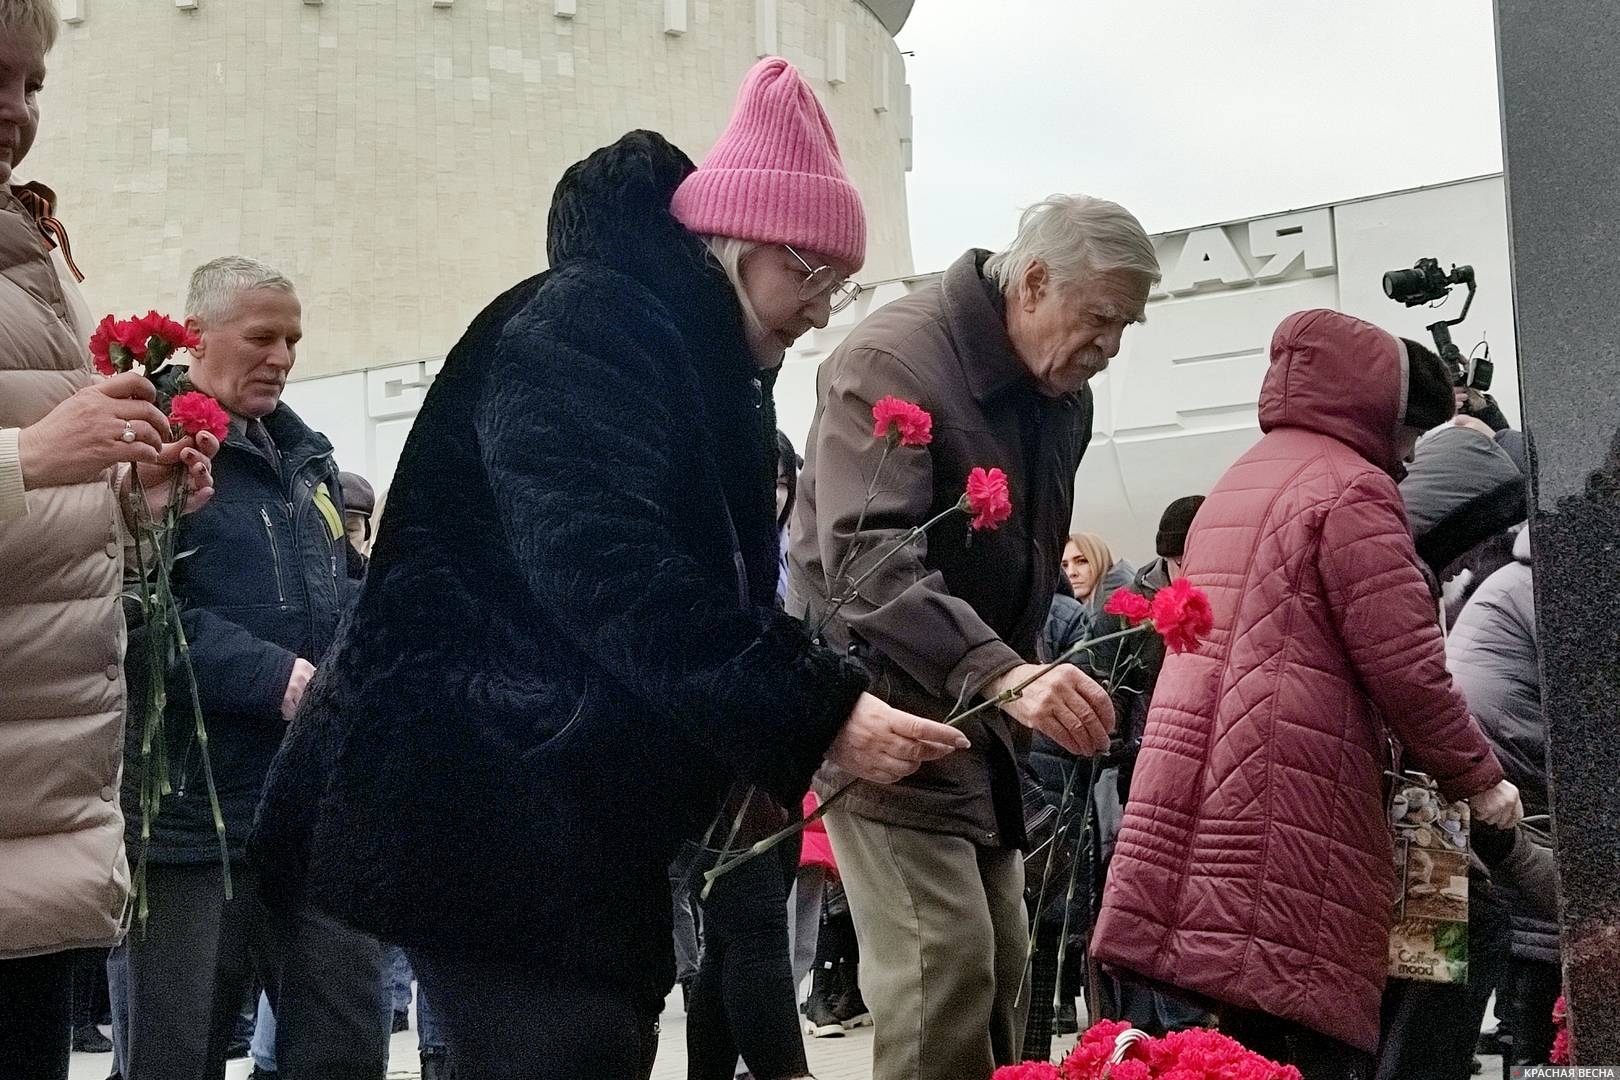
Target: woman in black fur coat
[[567, 648]]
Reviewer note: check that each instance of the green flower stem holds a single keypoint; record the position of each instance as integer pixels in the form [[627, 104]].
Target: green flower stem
[[736, 824], [202, 743], [1074, 875], [726, 865], [166, 640], [1015, 692], [171, 533], [909, 537], [152, 728], [860, 520], [1059, 831], [843, 566]]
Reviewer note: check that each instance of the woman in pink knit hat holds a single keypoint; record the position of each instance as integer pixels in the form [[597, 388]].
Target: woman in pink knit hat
[[567, 648]]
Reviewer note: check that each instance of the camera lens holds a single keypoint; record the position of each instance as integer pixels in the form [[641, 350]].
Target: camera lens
[[1401, 284]]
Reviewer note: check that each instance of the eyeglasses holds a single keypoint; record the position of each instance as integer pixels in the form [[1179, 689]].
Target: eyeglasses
[[825, 281]]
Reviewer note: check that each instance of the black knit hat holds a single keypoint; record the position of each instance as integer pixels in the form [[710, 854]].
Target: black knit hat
[[1430, 399], [1173, 525]]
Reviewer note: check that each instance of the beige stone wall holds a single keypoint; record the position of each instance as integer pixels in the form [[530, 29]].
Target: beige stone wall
[[396, 157]]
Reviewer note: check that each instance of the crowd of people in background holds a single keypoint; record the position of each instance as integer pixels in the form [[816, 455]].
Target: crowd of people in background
[[476, 755]]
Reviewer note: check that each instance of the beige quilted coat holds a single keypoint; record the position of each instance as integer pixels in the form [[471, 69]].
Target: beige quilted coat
[[64, 880]]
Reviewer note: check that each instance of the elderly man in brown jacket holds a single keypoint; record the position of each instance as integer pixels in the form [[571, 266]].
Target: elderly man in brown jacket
[[999, 352]]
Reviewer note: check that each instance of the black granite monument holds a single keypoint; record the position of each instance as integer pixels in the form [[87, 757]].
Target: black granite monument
[[1560, 81]]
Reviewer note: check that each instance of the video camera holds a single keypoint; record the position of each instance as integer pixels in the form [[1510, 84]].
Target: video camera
[[1424, 284]]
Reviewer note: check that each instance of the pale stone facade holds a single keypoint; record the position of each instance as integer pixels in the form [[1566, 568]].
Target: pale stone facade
[[396, 157]]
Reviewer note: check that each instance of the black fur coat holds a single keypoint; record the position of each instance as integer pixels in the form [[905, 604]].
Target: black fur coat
[[551, 677]]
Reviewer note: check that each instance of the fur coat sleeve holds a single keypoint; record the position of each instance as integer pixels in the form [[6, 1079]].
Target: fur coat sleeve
[[590, 432]]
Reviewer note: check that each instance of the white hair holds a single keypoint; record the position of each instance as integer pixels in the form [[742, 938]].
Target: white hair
[[1074, 236], [730, 252], [215, 285], [37, 15]]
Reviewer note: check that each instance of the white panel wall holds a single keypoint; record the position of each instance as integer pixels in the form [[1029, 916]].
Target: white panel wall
[[1177, 406]]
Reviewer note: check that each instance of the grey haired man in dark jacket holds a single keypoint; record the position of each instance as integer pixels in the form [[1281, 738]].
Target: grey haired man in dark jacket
[[262, 590]]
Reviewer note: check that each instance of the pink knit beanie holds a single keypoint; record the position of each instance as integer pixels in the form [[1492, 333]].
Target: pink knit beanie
[[775, 176]]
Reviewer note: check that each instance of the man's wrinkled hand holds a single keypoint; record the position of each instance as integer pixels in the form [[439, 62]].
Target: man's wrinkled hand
[[883, 744], [1498, 807], [1066, 705]]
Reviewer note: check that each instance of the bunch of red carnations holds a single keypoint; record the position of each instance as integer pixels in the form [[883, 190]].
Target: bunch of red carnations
[[1111, 1050], [146, 343]]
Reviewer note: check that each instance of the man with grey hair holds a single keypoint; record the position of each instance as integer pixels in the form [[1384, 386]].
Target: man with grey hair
[[261, 589], [999, 351]]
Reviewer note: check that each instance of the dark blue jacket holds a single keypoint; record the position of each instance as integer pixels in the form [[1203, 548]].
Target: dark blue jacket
[[265, 582], [558, 664]]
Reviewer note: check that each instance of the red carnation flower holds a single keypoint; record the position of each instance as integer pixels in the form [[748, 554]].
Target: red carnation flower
[[1182, 616], [100, 341], [1091, 1055], [1563, 1049], [194, 413], [129, 334], [1028, 1070], [1563, 1052], [1133, 607], [987, 498], [902, 421], [166, 332]]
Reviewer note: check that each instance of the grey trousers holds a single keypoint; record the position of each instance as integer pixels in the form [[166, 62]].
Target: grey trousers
[[189, 971], [942, 931]]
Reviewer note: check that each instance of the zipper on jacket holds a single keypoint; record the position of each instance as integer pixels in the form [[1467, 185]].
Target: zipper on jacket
[[275, 555]]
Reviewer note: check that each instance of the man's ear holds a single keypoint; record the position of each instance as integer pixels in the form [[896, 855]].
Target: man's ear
[[1033, 285], [202, 342]]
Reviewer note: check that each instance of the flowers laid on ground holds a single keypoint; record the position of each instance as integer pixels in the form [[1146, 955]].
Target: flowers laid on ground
[[1112, 1050], [1563, 1048], [148, 342]]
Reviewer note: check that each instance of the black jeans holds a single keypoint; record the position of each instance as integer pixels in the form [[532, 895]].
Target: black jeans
[[507, 1020], [189, 970], [743, 1002], [35, 995], [1315, 1055]]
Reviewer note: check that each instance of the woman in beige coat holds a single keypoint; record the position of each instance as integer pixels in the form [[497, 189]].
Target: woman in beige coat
[[67, 443]]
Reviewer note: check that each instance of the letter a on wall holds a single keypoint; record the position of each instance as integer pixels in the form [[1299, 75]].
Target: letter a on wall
[[1208, 256]]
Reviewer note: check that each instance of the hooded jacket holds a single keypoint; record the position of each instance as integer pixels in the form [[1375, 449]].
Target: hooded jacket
[[63, 875], [1462, 489], [566, 647], [1255, 866], [1493, 658]]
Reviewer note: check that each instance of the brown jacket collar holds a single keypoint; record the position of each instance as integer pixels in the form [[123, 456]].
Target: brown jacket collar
[[978, 328]]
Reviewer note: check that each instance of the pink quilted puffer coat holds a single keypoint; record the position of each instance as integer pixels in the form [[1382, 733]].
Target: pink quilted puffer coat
[[1255, 865]]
